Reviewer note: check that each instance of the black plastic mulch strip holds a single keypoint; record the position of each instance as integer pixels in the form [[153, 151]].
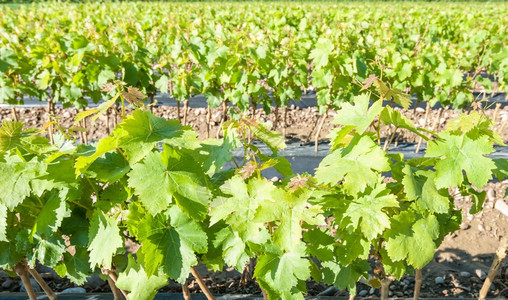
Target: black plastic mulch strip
[[105, 296], [307, 100]]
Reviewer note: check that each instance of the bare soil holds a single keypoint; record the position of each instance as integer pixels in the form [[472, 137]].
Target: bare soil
[[301, 123]]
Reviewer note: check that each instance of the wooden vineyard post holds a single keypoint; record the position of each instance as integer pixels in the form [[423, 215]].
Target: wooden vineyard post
[[151, 102], [500, 255]]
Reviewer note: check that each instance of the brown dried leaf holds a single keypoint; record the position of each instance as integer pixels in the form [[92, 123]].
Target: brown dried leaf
[[108, 87], [369, 81], [134, 96], [298, 182], [248, 169]]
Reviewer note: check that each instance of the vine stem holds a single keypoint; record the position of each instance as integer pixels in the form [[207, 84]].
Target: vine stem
[[500, 255], [178, 110], [276, 123], [21, 270], [108, 130], [50, 128], [185, 111], [85, 134], [224, 116], [151, 103], [117, 294], [418, 283], [436, 121], [311, 131], [42, 283], [112, 275], [186, 292], [14, 114], [388, 141], [318, 131], [285, 123], [202, 284], [208, 117], [385, 284], [420, 139], [494, 117], [265, 295]]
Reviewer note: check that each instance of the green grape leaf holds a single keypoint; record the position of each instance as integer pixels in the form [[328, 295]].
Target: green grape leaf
[[50, 217], [11, 135], [76, 228], [358, 114], [320, 244], [273, 139], [233, 249], [352, 246], [48, 250], [104, 239], [218, 152], [355, 164], [77, 266], [320, 53], [9, 255], [395, 268], [139, 133], [458, 153], [367, 211], [15, 181], [110, 167], [243, 205], [135, 280], [345, 276], [501, 170], [464, 122], [3, 223], [290, 211], [282, 271], [420, 186], [84, 162], [174, 174], [162, 84], [396, 118], [169, 242], [411, 238]]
